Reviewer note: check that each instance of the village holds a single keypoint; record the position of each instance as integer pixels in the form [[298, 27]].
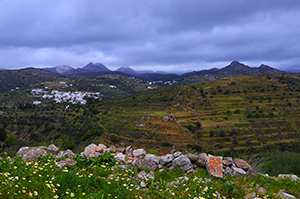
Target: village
[[76, 97]]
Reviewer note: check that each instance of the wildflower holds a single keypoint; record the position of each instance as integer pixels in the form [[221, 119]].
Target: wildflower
[[72, 194], [67, 192], [108, 182], [24, 191], [66, 170], [58, 185], [15, 167], [79, 185], [56, 196], [83, 193], [35, 193], [30, 194], [172, 193]]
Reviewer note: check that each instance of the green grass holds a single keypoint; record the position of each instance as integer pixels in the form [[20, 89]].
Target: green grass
[[99, 178]]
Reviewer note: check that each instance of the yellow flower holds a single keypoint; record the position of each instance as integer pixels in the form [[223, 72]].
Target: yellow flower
[[35, 193], [172, 193], [83, 193], [79, 185], [72, 194], [108, 182], [56, 196]]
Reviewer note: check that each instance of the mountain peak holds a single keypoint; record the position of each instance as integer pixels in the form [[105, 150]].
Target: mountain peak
[[91, 67], [127, 70]]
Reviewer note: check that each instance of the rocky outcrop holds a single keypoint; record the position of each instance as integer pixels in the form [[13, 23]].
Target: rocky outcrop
[[90, 149], [66, 161]]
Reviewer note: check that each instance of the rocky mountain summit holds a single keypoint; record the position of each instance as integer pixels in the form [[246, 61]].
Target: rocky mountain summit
[[128, 158]]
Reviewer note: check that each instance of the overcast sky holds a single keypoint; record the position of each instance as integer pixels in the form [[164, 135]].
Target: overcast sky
[[165, 35]]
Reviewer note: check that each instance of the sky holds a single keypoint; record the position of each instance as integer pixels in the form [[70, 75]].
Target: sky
[[158, 35]]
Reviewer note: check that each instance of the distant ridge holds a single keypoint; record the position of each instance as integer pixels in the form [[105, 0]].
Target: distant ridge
[[127, 70]]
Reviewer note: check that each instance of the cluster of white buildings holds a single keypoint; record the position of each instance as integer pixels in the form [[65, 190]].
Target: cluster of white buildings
[[61, 96]]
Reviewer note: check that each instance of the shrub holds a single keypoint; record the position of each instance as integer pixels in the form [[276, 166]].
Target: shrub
[[95, 131], [11, 140]]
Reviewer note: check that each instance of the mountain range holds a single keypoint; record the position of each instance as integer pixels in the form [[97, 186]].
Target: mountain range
[[24, 77]]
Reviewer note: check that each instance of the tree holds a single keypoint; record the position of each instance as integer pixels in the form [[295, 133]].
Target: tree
[[198, 124], [3, 135], [228, 113], [222, 133], [211, 133]]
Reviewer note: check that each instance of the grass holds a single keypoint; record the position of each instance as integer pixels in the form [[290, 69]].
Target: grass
[[101, 178]]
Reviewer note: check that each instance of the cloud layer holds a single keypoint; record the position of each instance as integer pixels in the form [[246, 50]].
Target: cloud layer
[[159, 35]]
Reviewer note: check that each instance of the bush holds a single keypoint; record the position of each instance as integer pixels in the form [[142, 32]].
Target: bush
[[11, 140], [281, 163], [95, 131]]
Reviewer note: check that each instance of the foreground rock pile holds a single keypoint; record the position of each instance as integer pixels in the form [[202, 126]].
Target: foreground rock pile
[[216, 166]]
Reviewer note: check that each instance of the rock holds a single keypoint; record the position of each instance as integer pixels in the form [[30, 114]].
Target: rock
[[52, 149], [227, 171], [228, 160], [22, 150], [251, 172], [90, 149], [145, 176], [143, 184], [193, 158], [240, 163], [152, 157], [288, 176], [66, 161], [238, 171], [172, 183], [139, 153], [120, 150], [284, 195], [32, 153], [164, 160], [190, 171], [183, 178], [261, 191], [81, 154], [64, 153], [92, 156], [183, 162], [128, 151], [129, 161], [145, 164], [251, 195], [112, 149], [214, 166], [100, 148], [176, 154], [201, 162], [120, 158], [97, 154]]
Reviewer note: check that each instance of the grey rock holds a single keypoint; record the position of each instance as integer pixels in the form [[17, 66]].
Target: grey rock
[[228, 170], [152, 157], [229, 160], [112, 149], [120, 158], [22, 150], [97, 154], [100, 148], [139, 153], [238, 171], [90, 149], [261, 190], [284, 195], [183, 162], [177, 154], [66, 161], [64, 153], [32, 153], [145, 164], [52, 149], [164, 160], [128, 151], [143, 184], [201, 162], [120, 150], [145, 176], [193, 158], [251, 195], [288, 176]]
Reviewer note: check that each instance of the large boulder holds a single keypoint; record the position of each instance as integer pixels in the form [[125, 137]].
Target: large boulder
[[32, 153], [145, 164], [90, 149], [139, 153], [67, 152], [240, 163], [183, 162], [22, 150], [214, 166], [164, 160], [101, 148], [152, 157], [201, 160], [52, 149]]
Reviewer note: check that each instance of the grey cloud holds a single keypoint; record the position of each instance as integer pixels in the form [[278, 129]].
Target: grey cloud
[[176, 35]]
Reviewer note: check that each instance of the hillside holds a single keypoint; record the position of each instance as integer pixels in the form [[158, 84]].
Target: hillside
[[237, 115], [10, 79]]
